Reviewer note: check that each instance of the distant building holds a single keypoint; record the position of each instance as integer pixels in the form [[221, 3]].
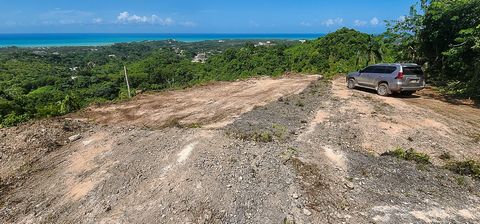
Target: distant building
[[267, 43], [41, 53], [200, 58], [303, 41]]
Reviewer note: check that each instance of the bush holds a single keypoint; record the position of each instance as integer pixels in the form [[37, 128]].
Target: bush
[[50, 110], [409, 155], [12, 119], [468, 168], [69, 104]]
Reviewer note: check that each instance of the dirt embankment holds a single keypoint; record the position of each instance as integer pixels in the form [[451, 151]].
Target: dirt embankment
[[286, 150]]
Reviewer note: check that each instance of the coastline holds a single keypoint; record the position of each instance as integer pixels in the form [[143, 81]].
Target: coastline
[[25, 40]]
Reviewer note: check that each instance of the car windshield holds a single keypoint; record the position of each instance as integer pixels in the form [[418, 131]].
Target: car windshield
[[413, 71]]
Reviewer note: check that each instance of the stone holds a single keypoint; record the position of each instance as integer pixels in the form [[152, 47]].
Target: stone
[[307, 212], [74, 138]]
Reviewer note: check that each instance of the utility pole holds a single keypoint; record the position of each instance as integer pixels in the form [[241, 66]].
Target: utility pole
[[126, 79]]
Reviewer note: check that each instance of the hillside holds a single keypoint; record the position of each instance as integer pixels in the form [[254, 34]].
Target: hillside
[[293, 149]]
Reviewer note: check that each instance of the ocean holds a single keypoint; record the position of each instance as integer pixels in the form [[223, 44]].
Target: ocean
[[97, 39]]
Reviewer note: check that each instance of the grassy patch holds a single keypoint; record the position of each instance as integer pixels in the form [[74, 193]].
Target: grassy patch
[[289, 153], [409, 155], [265, 136], [467, 168], [279, 131], [194, 125], [461, 180]]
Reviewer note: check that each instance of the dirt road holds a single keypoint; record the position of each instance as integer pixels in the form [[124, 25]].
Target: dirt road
[[295, 149]]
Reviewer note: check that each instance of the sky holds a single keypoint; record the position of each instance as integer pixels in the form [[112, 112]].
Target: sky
[[198, 16]]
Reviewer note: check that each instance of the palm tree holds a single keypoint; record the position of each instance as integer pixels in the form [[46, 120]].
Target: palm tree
[[372, 53]]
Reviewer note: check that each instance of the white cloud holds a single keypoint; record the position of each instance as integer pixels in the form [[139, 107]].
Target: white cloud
[[97, 20], [402, 18], [125, 18], [374, 21], [333, 22], [359, 23], [167, 21]]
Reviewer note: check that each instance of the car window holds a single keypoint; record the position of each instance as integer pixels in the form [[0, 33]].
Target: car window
[[389, 69], [413, 71], [378, 69], [369, 69]]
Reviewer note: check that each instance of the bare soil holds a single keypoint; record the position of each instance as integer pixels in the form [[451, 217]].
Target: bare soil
[[289, 150], [212, 105]]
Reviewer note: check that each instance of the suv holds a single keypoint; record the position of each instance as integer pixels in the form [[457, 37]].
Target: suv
[[389, 78]]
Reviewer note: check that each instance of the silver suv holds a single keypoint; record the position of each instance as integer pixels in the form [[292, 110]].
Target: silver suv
[[389, 78]]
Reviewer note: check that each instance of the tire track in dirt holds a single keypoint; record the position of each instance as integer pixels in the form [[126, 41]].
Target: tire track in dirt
[[429, 126]]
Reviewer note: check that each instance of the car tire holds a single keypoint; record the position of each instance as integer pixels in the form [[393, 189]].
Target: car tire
[[351, 84], [383, 90]]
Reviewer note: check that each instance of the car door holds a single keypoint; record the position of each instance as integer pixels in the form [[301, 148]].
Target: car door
[[363, 76], [373, 75]]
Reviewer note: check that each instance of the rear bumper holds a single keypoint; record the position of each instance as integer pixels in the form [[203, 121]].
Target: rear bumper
[[400, 87]]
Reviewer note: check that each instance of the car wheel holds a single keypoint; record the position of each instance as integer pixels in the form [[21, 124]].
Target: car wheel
[[351, 84], [382, 90]]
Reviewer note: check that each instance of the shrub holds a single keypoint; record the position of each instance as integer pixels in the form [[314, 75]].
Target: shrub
[[13, 119], [468, 168], [409, 155], [265, 137], [69, 104]]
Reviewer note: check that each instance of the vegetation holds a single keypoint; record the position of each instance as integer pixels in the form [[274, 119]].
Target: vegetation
[[443, 35], [54, 81], [409, 155], [289, 154], [467, 168]]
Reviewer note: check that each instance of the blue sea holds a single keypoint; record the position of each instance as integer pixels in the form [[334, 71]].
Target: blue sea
[[97, 39]]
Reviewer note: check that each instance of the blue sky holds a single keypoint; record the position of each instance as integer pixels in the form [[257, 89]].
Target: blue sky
[[200, 16]]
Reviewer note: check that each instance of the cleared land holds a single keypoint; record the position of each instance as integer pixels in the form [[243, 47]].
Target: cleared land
[[214, 105], [258, 151]]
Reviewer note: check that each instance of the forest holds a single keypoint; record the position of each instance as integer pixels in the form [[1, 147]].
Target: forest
[[441, 35]]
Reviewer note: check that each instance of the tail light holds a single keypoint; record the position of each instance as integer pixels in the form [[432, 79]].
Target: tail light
[[399, 75]]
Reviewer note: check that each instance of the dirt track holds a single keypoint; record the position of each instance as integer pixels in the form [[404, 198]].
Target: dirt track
[[233, 153]]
